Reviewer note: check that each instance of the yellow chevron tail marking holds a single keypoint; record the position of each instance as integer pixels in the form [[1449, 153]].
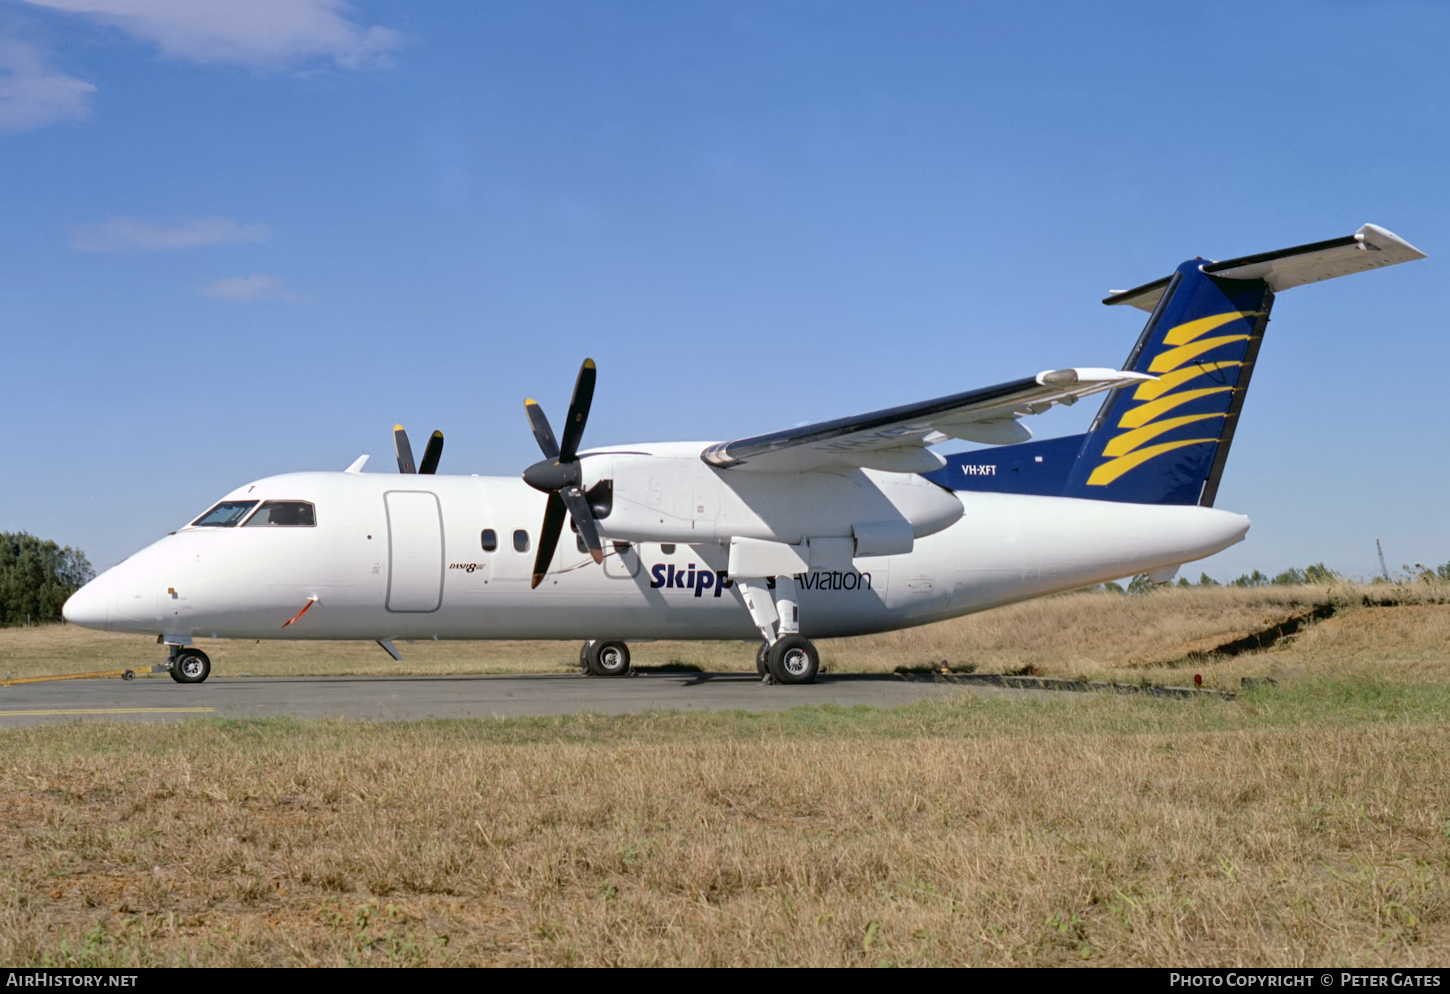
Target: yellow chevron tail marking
[[1143, 413], [1153, 389], [1168, 361], [1121, 445], [1111, 470], [1184, 333]]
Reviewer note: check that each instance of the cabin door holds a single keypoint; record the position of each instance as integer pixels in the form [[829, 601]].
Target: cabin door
[[415, 551]]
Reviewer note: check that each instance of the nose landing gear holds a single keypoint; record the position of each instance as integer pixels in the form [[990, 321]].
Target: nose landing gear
[[188, 665]]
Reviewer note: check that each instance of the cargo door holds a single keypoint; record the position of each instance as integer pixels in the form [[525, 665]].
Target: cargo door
[[621, 560], [415, 551]]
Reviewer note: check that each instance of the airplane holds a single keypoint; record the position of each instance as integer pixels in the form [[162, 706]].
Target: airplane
[[845, 527]]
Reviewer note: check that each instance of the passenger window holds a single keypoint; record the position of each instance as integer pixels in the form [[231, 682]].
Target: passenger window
[[283, 514], [489, 540], [521, 541], [668, 549], [225, 515]]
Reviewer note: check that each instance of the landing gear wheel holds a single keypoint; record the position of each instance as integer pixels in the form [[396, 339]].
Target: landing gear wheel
[[584, 658], [607, 658], [793, 659], [762, 660], [190, 666]]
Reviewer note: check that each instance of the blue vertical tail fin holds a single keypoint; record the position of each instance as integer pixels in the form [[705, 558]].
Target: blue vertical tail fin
[[1166, 441]]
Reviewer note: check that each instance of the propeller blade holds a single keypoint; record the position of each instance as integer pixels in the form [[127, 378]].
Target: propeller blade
[[403, 449], [543, 434], [431, 454], [548, 538], [559, 475], [578, 411], [583, 520]]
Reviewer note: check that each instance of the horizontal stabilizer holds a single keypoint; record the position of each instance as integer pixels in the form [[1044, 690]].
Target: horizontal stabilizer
[[1371, 247]]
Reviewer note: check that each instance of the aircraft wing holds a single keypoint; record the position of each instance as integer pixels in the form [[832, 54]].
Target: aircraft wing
[[896, 439]]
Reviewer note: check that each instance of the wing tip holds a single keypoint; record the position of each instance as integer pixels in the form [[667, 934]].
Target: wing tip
[[1383, 238]]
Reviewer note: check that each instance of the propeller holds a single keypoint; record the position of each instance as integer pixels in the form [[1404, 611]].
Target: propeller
[[559, 475], [431, 454]]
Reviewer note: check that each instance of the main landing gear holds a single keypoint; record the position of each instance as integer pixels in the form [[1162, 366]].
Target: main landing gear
[[604, 657], [793, 659], [786, 656], [188, 665]]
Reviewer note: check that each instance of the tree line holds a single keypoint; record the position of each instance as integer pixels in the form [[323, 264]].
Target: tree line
[[36, 577], [1315, 574]]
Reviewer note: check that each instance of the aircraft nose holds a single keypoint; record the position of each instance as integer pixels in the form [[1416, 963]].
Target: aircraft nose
[[86, 607]]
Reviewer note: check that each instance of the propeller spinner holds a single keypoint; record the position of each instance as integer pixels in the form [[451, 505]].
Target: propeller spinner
[[431, 454], [559, 475]]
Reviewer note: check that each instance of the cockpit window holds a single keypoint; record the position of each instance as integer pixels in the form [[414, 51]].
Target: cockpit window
[[285, 513], [225, 515]]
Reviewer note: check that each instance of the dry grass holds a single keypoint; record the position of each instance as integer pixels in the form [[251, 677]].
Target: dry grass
[[53, 649], [1280, 830], [1305, 824], [1097, 636], [1162, 637]]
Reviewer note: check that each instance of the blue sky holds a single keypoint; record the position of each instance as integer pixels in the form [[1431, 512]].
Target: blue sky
[[245, 239]]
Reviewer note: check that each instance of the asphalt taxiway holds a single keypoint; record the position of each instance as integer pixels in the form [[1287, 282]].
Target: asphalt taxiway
[[409, 698]]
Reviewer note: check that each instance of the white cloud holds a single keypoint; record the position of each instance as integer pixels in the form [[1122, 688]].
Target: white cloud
[[245, 289], [259, 34], [33, 94], [120, 234]]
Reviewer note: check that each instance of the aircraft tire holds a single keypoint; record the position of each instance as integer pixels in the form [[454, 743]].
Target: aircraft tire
[[190, 666], [793, 659], [762, 660], [608, 657]]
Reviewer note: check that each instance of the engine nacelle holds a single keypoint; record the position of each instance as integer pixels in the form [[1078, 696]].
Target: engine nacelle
[[668, 494]]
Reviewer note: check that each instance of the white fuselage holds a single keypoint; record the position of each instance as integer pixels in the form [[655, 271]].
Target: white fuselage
[[401, 557]]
